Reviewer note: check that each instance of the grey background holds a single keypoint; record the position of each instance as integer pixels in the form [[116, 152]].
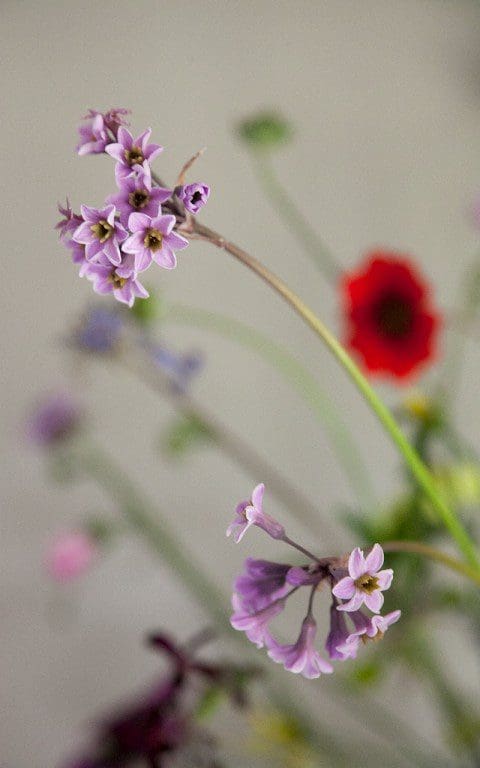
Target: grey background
[[385, 97]]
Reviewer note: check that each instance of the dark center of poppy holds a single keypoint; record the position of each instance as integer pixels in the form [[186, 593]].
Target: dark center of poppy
[[139, 198], [394, 316], [153, 240], [196, 197], [118, 282], [367, 583], [102, 230], [134, 156]]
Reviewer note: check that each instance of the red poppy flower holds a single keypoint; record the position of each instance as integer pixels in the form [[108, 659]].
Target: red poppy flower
[[391, 324]]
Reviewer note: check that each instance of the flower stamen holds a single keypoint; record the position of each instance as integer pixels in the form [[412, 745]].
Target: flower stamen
[[102, 230]]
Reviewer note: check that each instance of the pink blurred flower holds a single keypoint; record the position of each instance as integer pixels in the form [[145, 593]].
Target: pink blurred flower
[[70, 555]]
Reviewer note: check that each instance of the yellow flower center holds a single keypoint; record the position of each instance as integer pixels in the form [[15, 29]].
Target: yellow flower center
[[118, 282], [102, 230], [153, 240], [139, 198], [134, 156], [367, 583]]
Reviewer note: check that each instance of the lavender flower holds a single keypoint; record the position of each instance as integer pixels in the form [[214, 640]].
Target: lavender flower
[[137, 195], [250, 513], [179, 368], [100, 233], [93, 135], [262, 583], [255, 622], [153, 239], [54, 420], [68, 224], [121, 281], [261, 592], [130, 152], [365, 581], [193, 196], [301, 657]]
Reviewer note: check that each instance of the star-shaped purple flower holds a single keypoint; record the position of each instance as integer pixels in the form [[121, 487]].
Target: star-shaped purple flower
[[301, 657], [120, 280], [193, 196], [153, 239], [137, 195], [93, 135], [101, 233], [365, 581], [130, 152], [250, 513]]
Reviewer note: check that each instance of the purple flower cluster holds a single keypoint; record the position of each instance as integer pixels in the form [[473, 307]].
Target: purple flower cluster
[[115, 243], [262, 591]]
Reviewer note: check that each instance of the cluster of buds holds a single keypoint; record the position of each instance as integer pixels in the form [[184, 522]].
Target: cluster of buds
[[136, 226], [356, 584]]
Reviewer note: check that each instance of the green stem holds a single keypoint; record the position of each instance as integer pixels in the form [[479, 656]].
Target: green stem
[[292, 215], [418, 548], [346, 450], [413, 461], [154, 530]]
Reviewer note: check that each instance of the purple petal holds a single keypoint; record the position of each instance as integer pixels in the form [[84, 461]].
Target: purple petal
[[374, 559], [165, 258], [176, 241], [384, 578], [374, 601], [353, 604], [134, 243], [257, 495], [138, 222], [117, 151], [345, 588], [356, 563], [83, 234]]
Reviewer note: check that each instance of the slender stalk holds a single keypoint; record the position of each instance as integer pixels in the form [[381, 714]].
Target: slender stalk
[[418, 548], [293, 216], [243, 453], [348, 454], [413, 461]]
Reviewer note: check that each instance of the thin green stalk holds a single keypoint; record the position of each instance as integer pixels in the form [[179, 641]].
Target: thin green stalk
[[294, 217], [418, 548], [413, 461], [347, 452]]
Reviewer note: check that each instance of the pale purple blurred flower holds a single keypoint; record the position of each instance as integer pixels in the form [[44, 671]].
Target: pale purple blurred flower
[[70, 556], [301, 657], [55, 419], [121, 281], [180, 369], [262, 583], [153, 239], [99, 331], [137, 195], [365, 581], [130, 153], [250, 513], [193, 196], [255, 623], [100, 233], [93, 135]]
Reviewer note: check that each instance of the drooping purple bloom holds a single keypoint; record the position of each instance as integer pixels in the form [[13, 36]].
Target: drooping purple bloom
[[101, 234], [301, 657], [299, 576], [130, 152], [255, 623], [153, 239], [379, 624], [55, 419], [121, 281], [93, 135], [250, 513], [99, 331], [193, 196], [338, 635], [137, 195], [365, 581], [262, 583]]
